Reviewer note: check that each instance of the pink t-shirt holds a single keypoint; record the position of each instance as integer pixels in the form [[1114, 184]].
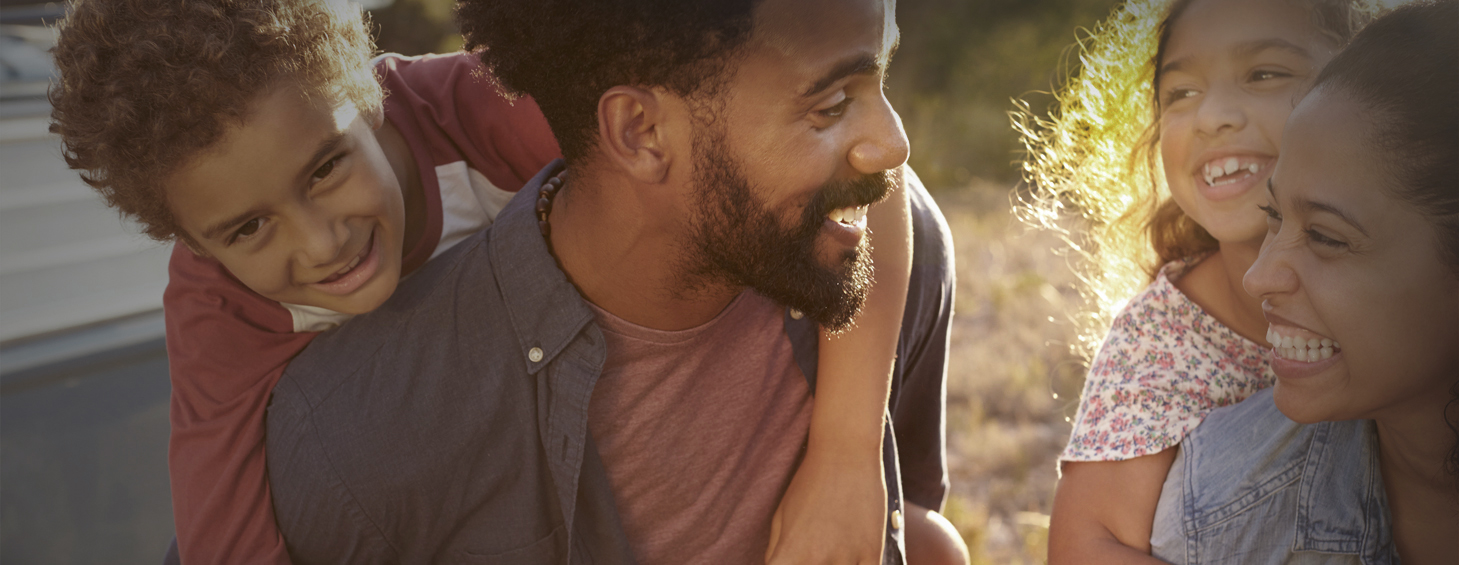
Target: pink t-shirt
[[700, 431], [1164, 366]]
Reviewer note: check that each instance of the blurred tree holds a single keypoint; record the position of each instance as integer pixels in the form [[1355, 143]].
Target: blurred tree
[[416, 27], [960, 64]]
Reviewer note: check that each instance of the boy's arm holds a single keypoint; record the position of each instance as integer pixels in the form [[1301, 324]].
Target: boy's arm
[[835, 508], [226, 348], [1104, 510]]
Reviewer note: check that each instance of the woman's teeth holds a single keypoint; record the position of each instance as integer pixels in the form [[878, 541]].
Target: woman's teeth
[[850, 215], [1308, 350], [1228, 168]]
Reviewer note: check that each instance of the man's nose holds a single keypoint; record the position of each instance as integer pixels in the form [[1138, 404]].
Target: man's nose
[[1220, 109], [1272, 272], [884, 145]]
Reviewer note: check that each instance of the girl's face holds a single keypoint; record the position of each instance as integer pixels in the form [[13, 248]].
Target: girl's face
[[1231, 72], [1354, 270]]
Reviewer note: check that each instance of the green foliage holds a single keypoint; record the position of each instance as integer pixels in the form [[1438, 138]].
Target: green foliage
[[960, 64]]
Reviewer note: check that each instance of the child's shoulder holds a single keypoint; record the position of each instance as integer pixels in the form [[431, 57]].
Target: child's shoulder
[[1158, 313]]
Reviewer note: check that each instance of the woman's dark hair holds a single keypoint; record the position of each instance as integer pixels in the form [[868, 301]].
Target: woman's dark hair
[[1173, 234], [1404, 68], [566, 53]]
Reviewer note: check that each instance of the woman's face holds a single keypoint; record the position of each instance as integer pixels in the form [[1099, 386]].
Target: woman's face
[[1231, 72], [1347, 262]]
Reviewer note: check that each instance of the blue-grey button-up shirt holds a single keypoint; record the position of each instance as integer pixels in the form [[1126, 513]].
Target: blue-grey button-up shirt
[[1251, 486], [450, 425]]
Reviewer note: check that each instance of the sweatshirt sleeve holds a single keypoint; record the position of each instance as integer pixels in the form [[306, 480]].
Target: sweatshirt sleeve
[[226, 347]]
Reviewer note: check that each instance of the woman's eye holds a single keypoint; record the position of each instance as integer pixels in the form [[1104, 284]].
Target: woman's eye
[[1273, 218], [1317, 237]]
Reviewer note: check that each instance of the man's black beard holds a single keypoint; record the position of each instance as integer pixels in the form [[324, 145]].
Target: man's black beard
[[738, 241]]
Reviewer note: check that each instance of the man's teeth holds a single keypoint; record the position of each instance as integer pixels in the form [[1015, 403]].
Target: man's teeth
[[1223, 167], [1309, 350], [850, 215]]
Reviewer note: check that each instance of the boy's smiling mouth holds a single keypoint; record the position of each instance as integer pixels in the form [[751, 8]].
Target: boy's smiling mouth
[[354, 274]]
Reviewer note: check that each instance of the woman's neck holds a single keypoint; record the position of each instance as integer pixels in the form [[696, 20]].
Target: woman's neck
[[1414, 443]]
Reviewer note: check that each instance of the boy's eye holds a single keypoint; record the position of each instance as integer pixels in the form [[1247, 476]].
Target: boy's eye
[[247, 229], [1265, 74], [324, 170]]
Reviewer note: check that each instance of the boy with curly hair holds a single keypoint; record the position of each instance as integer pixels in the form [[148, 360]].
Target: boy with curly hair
[[302, 181]]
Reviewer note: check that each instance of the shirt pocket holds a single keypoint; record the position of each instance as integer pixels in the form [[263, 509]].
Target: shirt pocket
[[549, 549]]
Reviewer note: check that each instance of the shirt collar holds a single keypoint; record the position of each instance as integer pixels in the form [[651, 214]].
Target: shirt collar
[[545, 308], [1342, 507]]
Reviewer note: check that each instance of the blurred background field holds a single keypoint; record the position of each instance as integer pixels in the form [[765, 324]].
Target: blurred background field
[[1012, 383], [101, 497]]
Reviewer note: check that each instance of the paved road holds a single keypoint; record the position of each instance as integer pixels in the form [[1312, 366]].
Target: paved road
[[83, 460]]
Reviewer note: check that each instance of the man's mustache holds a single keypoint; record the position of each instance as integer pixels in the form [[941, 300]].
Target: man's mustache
[[860, 191]]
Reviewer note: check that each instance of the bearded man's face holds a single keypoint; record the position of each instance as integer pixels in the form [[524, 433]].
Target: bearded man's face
[[785, 255]]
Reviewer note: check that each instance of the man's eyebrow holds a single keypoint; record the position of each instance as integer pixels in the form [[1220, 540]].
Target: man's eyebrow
[[326, 146], [1315, 206], [863, 64], [1247, 49]]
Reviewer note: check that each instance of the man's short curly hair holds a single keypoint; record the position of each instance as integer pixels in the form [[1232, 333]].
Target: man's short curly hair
[[146, 85], [566, 53]]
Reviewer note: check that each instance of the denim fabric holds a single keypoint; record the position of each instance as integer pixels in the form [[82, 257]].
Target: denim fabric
[[1250, 486], [450, 425]]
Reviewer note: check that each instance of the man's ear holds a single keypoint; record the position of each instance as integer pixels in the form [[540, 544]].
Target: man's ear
[[633, 127]]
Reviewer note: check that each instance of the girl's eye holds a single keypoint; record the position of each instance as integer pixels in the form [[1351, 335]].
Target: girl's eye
[[247, 229], [1177, 94]]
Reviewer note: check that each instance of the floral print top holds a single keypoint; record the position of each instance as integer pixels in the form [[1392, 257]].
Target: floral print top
[[1165, 364]]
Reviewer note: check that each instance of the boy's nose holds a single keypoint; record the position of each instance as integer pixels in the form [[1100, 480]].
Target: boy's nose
[[884, 145], [321, 240]]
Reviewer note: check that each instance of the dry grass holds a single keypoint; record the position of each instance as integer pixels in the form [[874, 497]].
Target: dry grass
[[1012, 382]]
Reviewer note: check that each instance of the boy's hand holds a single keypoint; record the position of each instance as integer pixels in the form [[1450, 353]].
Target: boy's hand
[[833, 512]]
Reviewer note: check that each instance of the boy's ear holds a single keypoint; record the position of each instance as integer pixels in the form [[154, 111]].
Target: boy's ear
[[636, 128]]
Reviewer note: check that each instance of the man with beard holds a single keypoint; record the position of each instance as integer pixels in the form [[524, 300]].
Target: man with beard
[[621, 368]]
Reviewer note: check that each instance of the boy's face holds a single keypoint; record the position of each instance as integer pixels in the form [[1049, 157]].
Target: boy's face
[[298, 202]]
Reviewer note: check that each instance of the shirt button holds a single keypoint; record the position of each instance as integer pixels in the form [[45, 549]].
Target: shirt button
[[796, 314], [896, 519], [535, 354]]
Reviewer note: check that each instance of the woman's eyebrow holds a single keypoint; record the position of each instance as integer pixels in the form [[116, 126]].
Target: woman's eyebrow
[[1317, 206]]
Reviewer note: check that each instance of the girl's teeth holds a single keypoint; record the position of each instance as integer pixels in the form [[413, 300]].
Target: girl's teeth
[[1231, 165]]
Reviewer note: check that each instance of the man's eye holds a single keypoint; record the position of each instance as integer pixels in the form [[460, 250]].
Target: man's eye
[[837, 110]]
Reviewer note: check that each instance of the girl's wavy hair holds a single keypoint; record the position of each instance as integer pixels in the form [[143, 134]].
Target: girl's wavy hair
[[146, 85], [1093, 166]]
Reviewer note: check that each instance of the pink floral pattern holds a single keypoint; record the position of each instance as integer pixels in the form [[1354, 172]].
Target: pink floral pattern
[[1165, 364]]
